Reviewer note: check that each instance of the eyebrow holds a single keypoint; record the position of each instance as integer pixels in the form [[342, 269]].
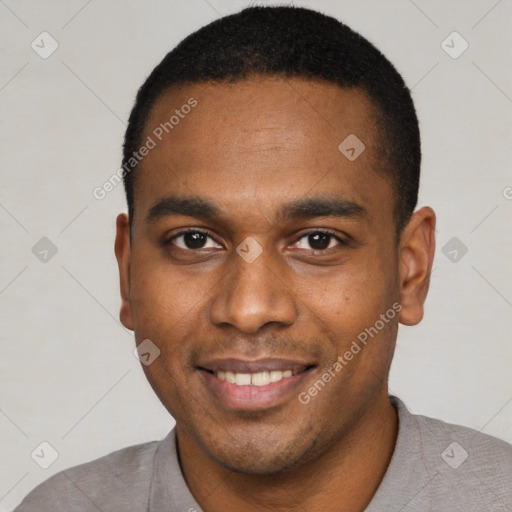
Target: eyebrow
[[303, 208], [188, 206], [323, 207]]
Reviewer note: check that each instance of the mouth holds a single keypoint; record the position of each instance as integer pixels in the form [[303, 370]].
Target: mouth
[[252, 385]]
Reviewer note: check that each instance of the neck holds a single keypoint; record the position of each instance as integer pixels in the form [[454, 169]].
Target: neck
[[343, 479]]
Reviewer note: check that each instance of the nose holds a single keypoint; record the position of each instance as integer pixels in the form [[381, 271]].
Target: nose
[[251, 296]]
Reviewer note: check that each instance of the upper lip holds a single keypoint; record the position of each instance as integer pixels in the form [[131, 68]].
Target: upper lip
[[236, 365]]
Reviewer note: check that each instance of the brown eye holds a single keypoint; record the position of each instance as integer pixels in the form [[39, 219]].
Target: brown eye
[[318, 241], [194, 240]]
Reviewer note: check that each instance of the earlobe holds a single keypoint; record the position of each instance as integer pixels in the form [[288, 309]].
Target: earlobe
[[122, 250], [416, 253]]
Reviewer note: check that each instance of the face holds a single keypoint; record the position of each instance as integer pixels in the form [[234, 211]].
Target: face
[[259, 254]]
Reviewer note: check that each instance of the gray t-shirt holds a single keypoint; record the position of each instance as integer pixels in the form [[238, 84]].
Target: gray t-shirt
[[435, 467]]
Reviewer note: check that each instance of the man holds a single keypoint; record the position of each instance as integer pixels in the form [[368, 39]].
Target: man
[[271, 248]]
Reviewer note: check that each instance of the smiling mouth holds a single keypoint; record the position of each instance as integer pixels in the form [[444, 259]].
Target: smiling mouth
[[245, 385], [254, 379], [242, 384]]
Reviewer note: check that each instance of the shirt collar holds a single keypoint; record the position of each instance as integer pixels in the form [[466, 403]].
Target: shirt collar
[[169, 491], [407, 474]]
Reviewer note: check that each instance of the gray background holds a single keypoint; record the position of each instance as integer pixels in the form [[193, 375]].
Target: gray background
[[68, 374]]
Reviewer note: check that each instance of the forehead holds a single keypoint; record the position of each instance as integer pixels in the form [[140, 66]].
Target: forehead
[[262, 139]]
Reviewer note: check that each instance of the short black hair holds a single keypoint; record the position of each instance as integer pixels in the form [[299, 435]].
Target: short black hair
[[291, 42]]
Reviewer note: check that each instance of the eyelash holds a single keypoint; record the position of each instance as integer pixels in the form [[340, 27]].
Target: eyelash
[[190, 230], [328, 232]]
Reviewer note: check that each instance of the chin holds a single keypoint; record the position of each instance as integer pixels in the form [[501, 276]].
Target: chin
[[254, 464], [260, 456]]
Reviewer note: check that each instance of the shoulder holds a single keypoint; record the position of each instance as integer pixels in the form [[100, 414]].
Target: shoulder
[[118, 481], [457, 445], [463, 467]]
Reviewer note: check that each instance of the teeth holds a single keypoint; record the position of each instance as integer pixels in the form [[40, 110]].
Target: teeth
[[242, 379], [275, 376], [260, 379], [254, 379]]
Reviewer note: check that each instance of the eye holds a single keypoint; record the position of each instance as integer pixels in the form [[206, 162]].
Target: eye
[[194, 240], [318, 241]]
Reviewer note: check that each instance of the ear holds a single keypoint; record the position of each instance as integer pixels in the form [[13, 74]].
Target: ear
[[416, 252], [123, 254]]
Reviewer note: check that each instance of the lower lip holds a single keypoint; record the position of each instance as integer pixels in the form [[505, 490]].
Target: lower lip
[[251, 398]]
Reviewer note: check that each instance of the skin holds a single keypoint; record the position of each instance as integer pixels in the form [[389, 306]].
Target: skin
[[251, 148]]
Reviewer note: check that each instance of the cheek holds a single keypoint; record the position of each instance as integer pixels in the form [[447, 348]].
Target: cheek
[[352, 299], [160, 297], [347, 293], [163, 308], [168, 308]]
